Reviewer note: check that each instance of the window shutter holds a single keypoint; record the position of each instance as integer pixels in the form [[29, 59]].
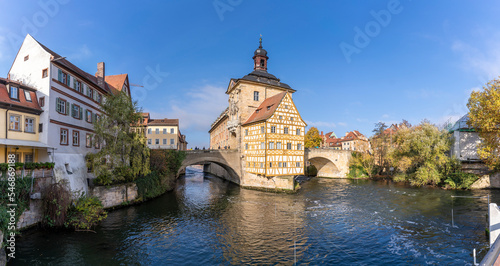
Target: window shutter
[[68, 80], [81, 112], [67, 108], [95, 118], [74, 84], [57, 104], [72, 112], [59, 75]]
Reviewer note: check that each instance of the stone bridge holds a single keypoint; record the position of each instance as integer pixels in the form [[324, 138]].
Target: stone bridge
[[227, 163], [228, 160], [329, 162]]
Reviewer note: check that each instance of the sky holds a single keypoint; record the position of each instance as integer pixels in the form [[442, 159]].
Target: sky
[[353, 63]]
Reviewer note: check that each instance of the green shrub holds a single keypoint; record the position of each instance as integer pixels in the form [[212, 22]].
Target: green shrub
[[86, 213], [55, 204], [357, 172], [104, 179], [154, 184], [461, 180], [22, 199]]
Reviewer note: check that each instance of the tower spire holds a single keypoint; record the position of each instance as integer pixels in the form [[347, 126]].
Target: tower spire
[[260, 57]]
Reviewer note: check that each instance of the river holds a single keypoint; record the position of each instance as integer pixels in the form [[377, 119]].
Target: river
[[207, 221]]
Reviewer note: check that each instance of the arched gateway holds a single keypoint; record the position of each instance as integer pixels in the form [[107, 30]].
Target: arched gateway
[[229, 160]]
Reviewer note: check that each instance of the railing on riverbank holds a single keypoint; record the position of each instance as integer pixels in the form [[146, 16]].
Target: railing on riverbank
[[491, 257]]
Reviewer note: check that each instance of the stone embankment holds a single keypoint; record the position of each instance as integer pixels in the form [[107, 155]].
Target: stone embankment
[[487, 181]]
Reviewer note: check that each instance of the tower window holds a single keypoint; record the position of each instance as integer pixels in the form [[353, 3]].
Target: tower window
[[262, 62], [255, 95]]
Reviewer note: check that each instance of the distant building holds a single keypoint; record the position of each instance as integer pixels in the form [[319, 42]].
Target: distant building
[[466, 141], [219, 133], [352, 141], [161, 133]]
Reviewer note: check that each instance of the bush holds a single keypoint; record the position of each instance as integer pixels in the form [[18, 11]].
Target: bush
[[461, 180], [55, 204], [357, 172], [86, 213], [22, 199], [154, 184], [104, 179]]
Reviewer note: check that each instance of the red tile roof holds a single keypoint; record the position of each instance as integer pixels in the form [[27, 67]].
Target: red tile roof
[[115, 82], [266, 109], [163, 122], [22, 103]]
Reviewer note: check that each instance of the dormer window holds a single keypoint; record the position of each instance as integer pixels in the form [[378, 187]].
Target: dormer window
[[269, 108], [257, 111], [27, 95], [14, 93]]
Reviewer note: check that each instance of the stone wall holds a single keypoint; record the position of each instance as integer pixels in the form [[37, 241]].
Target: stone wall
[[278, 182], [487, 181], [34, 214], [112, 196], [219, 171]]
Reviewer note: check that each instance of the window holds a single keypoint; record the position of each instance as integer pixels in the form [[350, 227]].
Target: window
[[171, 131], [280, 117], [164, 131], [164, 141], [286, 106], [17, 156], [284, 164], [26, 58], [273, 129], [149, 141], [270, 164], [14, 93], [76, 138], [262, 130], [41, 101], [88, 140], [77, 85], [45, 73], [289, 146], [298, 132], [28, 157], [27, 95], [278, 145], [157, 131], [246, 146], [297, 164], [280, 164], [255, 95], [88, 116], [15, 122], [99, 98], [63, 140], [76, 111], [262, 62], [299, 146], [63, 77], [149, 130], [271, 145], [291, 118], [62, 106], [285, 130], [29, 125], [171, 141], [246, 132], [262, 145], [261, 165], [157, 141], [90, 92]]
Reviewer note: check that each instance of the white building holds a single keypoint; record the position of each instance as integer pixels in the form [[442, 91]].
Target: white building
[[70, 99], [466, 141]]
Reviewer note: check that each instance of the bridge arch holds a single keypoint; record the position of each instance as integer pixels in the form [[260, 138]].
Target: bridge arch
[[325, 166], [212, 163]]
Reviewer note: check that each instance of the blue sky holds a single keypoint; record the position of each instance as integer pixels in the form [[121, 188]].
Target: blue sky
[[423, 62]]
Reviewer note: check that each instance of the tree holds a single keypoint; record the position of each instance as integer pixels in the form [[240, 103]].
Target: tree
[[312, 138], [484, 116], [380, 146], [420, 153], [124, 154]]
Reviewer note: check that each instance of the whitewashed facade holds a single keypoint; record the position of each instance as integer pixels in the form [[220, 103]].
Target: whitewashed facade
[[71, 104]]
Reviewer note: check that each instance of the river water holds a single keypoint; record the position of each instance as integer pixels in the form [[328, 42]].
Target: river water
[[207, 221]]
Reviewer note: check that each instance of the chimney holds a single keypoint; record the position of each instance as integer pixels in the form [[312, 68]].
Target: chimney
[[100, 74]]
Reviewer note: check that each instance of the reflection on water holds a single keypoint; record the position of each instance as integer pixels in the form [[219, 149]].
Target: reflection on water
[[207, 221]]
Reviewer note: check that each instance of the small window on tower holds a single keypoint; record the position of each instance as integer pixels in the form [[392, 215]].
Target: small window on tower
[[262, 62], [255, 95]]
